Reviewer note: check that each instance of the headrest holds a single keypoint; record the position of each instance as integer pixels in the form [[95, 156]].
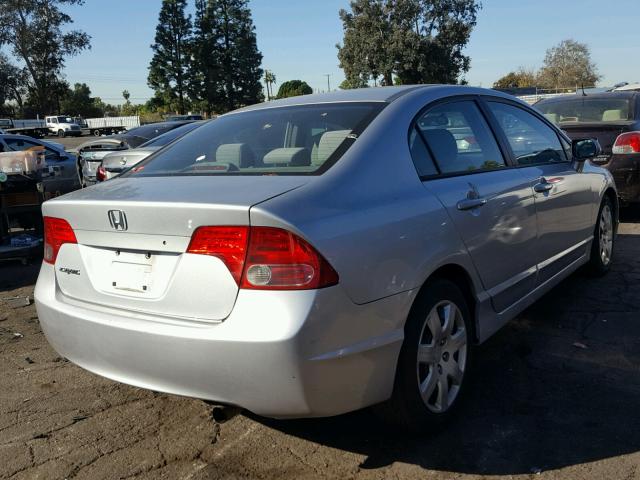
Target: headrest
[[329, 143], [612, 115], [443, 144], [552, 117], [294, 157], [238, 154]]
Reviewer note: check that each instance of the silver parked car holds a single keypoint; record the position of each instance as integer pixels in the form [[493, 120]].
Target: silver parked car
[[316, 255], [92, 153], [113, 164]]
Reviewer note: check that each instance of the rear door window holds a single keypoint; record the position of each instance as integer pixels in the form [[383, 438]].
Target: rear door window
[[458, 138], [533, 142]]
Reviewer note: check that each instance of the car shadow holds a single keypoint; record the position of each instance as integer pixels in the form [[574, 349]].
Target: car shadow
[[13, 274], [630, 214], [558, 386]]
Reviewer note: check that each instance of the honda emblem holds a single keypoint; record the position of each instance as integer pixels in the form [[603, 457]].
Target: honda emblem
[[117, 220]]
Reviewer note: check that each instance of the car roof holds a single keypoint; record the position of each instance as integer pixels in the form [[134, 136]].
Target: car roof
[[372, 94]]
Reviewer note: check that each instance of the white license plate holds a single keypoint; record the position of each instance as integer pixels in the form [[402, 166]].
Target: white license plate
[[133, 277]]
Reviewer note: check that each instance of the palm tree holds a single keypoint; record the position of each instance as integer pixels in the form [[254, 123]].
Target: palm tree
[[269, 79]]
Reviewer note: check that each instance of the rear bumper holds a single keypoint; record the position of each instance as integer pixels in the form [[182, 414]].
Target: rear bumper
[[625, 170], [279, 354]]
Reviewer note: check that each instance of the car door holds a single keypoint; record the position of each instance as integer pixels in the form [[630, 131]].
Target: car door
[[61, 174], [490, 204], [563, 196]]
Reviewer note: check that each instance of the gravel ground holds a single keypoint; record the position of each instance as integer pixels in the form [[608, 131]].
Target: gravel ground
[[70, 143], [554, 395]]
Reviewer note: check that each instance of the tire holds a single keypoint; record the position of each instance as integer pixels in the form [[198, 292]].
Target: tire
[[96, 133], [604, 235], [444, 366], [61, 133]]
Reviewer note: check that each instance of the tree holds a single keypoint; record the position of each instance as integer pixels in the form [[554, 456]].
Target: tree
[[239, 56], [415, 41], [205, 72], [293, 88], [12, 84], [519, 79], [168, 71], [79, 102], [227, 72], [34, 31], [568, 64], [269, 80], [353, 83]]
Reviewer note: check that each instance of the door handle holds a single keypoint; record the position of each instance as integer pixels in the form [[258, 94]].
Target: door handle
[[471, 203], [547, 184], [543, 186]]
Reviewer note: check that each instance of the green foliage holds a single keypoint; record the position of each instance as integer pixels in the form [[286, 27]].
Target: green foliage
[[171, 52], [293, 88], [33, 29], [226, 72], [519, 79], [356, 82], [12, 87], [415, 41], [568, 64], [78, 102], [269, 80]]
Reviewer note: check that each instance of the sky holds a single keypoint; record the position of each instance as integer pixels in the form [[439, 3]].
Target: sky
[[297, 39]]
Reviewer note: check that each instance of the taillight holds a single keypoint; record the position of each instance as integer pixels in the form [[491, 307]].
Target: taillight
[[278, 259], [57, 232], [627, 143], [229, 244], [101, 174], [265, 258]]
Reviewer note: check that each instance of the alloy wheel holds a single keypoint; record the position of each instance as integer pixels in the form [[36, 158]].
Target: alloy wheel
[[442, 356], [606, 234]]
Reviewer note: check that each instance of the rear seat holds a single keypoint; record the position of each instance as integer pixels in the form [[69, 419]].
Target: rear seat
[[238, 154], [288, 157], [612, 115], [329, 143]]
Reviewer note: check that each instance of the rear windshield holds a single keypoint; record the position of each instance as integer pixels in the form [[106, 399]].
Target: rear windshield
[[151, 131], [297, 140], [170, 136], [583, 109]]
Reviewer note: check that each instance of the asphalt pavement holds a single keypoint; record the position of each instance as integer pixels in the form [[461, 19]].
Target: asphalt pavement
[[555, 394]]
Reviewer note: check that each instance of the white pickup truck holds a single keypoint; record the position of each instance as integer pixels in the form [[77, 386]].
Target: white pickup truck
[[63, 126]]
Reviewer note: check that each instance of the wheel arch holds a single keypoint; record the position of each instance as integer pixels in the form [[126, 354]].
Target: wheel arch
[[613, 196], [458, 275]]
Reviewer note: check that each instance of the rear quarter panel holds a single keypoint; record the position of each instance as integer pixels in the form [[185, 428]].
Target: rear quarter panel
[[370, 214]]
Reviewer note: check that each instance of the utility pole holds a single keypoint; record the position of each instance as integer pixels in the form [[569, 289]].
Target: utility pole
[[328, 75]]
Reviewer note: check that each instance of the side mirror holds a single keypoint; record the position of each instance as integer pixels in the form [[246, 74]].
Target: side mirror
[[585, 149]]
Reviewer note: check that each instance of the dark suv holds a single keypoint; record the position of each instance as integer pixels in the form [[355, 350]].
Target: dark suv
[[614, 119]]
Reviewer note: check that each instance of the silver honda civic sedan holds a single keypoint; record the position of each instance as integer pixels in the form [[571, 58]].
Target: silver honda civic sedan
[[320, 254]]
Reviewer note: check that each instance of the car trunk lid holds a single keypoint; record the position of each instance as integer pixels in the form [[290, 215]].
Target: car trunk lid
[[132, 237], [605, 132]]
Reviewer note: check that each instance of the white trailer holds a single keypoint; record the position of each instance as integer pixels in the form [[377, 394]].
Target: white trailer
[[110, 125]]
